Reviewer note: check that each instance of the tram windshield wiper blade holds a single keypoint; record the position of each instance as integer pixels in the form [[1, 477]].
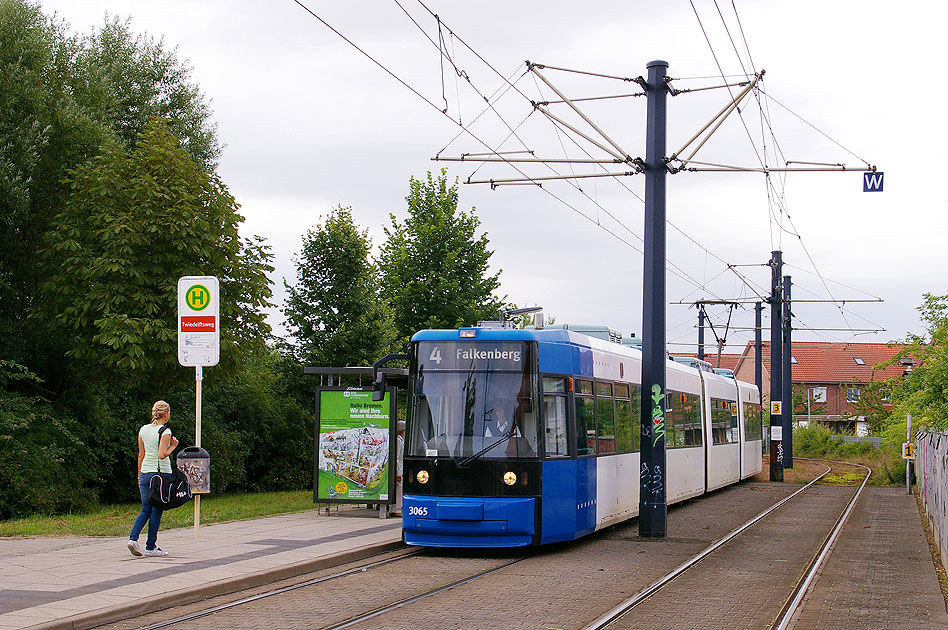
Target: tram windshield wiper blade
[[467, 460]]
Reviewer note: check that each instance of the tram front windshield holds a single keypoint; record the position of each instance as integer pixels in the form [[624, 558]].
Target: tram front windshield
[[473, 400]]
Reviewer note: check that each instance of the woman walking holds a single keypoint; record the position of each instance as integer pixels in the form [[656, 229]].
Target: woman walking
[[154, 447]]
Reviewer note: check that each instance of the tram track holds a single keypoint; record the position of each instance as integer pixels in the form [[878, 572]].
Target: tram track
[[370, 594], [196, 618], [797, 595], [279, 591]]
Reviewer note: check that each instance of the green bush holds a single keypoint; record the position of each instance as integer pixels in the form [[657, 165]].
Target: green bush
[[815, 440], [43, 464]]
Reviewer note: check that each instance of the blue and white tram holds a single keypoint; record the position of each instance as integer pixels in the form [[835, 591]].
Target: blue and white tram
[[527, 437]]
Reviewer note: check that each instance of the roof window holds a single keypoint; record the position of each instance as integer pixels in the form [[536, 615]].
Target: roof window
[[859, 361]]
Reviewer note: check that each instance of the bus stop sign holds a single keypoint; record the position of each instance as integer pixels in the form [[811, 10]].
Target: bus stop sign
[[199, 313]]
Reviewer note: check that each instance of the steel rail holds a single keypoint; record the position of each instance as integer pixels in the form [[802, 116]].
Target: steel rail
[[793, 604], [658, 584], [278, 591]]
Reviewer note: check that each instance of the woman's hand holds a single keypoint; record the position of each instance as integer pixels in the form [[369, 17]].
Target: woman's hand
[[174, 443]]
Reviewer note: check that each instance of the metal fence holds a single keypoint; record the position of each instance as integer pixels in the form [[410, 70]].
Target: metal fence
[[862, 439], [931, 469]]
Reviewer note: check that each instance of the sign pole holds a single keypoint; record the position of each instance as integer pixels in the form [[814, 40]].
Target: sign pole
[[908, 460], [198, 347], [198, 381]]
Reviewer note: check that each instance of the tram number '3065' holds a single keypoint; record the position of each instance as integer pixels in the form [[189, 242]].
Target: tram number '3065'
[[435, 355], [417, 511]]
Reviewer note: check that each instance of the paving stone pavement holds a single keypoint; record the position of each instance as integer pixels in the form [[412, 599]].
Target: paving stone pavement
[[880, 574], [73, 583], [564, 586]]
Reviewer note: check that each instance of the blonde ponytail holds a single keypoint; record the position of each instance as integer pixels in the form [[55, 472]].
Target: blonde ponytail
[[159, 409]]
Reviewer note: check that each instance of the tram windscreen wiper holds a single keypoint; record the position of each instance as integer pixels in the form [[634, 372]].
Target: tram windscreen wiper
[[467, 460]]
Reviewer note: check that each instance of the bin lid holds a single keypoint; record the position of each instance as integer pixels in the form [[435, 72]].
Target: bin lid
[[194, 452]]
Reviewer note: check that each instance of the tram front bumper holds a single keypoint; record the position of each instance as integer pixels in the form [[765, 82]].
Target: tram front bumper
[[468, 521]]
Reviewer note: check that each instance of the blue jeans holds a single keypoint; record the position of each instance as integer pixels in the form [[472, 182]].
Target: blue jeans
[[149, 514]]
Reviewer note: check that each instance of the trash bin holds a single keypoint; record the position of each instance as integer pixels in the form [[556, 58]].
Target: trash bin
[[195, 463]]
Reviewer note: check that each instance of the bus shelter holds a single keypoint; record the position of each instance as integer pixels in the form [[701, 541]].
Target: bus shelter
[[354, 441]]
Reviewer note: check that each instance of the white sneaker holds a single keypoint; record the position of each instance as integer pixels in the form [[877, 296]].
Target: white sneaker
[[155, 553], [134, 548]]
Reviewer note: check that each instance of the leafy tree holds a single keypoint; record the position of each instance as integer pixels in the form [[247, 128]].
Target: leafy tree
[[924, 392], [132, 79], [43, 131], [62, 97], [132, 225], [871, 404], [434, 266], [334, 310]]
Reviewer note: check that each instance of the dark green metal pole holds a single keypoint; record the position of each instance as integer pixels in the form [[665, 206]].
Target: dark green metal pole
[[787, 378], [776, 370], [653, 510]]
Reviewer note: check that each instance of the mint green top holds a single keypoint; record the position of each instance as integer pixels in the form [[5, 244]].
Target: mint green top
[[149, 436]]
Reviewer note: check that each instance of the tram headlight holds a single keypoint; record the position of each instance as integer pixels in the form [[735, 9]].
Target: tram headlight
[[510, 478], [422, 477]]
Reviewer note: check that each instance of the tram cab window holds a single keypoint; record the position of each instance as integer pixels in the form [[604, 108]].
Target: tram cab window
[[554, 412], [466, 404], [585, 414]]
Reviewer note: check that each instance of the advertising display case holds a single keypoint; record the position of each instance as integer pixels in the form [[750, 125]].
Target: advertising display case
[[354, 446]]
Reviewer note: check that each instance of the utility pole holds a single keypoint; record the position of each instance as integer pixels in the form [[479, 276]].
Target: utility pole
[[701, 332], [653, 511], [776, 371], [787, 378]]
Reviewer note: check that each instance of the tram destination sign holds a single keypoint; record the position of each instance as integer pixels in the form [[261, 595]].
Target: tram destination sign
[[199, 314], [477, 355]]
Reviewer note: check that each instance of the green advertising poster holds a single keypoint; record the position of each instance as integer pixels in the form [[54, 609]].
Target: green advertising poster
[[353, 448]]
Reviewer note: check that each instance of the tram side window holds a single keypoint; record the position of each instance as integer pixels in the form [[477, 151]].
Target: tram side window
[[735, 431], [628, 431], [753, 429], [674, 421], [683, 421], [554, 413], [585, 420], [606, 425], [722, 422]]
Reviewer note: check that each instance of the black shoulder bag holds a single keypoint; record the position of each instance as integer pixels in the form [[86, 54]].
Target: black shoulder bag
[[167, 493]]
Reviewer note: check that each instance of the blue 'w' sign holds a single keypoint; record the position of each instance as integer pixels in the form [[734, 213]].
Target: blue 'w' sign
[[872, 182]]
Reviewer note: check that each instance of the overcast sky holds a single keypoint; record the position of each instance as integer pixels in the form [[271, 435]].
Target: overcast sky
[[309, 123]]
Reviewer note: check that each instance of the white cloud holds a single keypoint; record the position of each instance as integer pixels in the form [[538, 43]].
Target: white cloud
[[310, 123]]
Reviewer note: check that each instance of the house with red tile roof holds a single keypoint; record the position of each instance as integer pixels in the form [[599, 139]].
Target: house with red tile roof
[[831, 376]]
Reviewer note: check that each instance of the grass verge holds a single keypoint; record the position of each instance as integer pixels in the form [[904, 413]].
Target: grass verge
[[116, 520]]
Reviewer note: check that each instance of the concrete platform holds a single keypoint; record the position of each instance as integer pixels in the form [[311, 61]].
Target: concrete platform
[[74, 582]]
